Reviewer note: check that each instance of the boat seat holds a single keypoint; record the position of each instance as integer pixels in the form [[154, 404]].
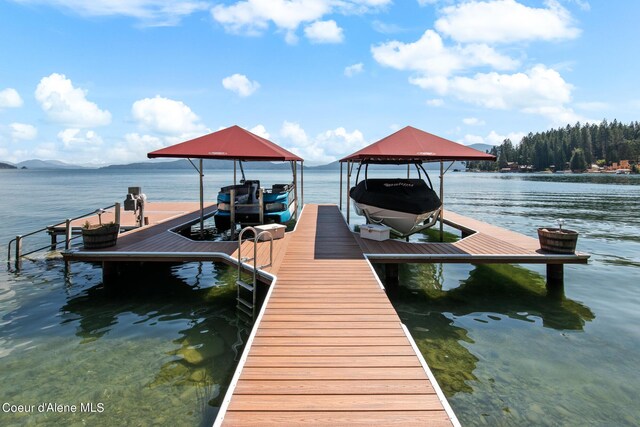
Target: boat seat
[[279, 188]]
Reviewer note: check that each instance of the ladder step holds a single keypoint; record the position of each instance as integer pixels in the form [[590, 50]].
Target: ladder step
[[245, 259], [242, 309], [244, 285], [245, 303]]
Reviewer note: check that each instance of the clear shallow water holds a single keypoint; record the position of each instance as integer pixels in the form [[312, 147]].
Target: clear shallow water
[[504, 352]]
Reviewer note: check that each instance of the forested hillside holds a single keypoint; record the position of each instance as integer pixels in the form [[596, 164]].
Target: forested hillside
[[575, 147]]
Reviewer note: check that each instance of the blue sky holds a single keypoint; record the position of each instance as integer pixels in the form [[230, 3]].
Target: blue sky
[[105, 82]]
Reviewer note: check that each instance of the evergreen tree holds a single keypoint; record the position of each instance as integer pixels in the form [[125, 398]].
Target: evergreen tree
[[578, 162]]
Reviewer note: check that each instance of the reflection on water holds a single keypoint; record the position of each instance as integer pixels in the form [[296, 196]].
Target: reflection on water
[[502, 348], [489, 293], [162, 349]]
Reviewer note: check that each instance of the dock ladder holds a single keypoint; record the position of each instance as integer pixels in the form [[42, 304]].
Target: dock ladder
[[244, 304]]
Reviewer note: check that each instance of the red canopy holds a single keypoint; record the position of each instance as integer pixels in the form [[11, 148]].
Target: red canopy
[[230, 143], [411, 144]]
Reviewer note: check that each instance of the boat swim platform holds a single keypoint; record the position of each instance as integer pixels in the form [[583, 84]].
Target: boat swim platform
[[327, 347]]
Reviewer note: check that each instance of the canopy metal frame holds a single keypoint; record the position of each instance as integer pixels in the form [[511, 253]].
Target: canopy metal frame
[[351, 163]]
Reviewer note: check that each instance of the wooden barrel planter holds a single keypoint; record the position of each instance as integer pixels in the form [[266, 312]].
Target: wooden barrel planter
[[100, 236], [558, 240]]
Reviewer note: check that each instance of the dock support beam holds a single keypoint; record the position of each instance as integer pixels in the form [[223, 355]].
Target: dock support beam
[[555, 277], [391, 275]]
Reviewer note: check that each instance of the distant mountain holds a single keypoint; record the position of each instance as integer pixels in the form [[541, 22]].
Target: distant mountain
[[208, 165], [47, 164], [7, 166], [481, 147]]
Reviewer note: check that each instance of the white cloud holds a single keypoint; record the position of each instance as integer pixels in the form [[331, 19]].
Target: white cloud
[[354, 69], [493, 138], [326, 147], [435, 102], [260, 130], [77, 139], [427, 2], [68, 105], [473, 121], [324, 32], [539, 90], [167, 116], [506, 21], [23, 132], [253, 17], [148, 12], [430, 56], [10, 98], [240, 84]]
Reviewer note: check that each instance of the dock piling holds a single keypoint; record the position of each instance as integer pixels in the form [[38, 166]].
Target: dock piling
[[555, 276]]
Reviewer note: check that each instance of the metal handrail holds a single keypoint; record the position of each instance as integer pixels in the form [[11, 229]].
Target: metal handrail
[[66, 223], [256, 238]]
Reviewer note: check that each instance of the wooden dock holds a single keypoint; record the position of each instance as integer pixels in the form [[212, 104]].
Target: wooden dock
[[482, 244], [328, 347]]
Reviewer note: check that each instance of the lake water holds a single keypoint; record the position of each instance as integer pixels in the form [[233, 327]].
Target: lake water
[[163, 352]]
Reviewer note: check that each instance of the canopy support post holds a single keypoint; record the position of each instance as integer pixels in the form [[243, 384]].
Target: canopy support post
[[234, 172], [348, 186], [302, 182], [294, 166], [408, 169], [442, 201], [340, 186], [201, 200]]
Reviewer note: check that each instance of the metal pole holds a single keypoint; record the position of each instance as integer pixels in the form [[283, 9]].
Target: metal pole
[[302, 182], [261, 203], [348, 186], [117, 213], [441, 201], [340, 186], [295, 185], [18, 248], [234, 171], [232, 209], [201, 201], [67, 235], [408, 169]]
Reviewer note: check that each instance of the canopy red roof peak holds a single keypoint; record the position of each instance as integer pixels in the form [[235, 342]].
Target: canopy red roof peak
[[410, 144], [232, 143]]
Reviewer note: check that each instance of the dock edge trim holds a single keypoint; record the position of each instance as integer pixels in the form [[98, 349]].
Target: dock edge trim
[[434, 382], [243, 359]]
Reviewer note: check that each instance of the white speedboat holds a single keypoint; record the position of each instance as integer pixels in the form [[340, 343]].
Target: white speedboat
[[404, 205]]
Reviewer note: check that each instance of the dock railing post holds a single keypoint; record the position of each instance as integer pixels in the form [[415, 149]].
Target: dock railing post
[[54, 237], [117, 213], [232, 208], [67, 234], [261, 205], [18, 248]]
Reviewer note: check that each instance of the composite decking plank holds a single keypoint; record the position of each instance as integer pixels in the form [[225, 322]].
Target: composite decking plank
[[336, 387], [341, 402], [337, 418]]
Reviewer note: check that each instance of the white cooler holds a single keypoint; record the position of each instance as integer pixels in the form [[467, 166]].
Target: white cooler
[[374, 232], [276, 230]]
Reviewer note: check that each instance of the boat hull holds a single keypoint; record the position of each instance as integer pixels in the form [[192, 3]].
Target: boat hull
[[401, 204], [403, 223]]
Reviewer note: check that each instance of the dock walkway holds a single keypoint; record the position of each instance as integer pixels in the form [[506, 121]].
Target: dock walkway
[[328, 348]]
